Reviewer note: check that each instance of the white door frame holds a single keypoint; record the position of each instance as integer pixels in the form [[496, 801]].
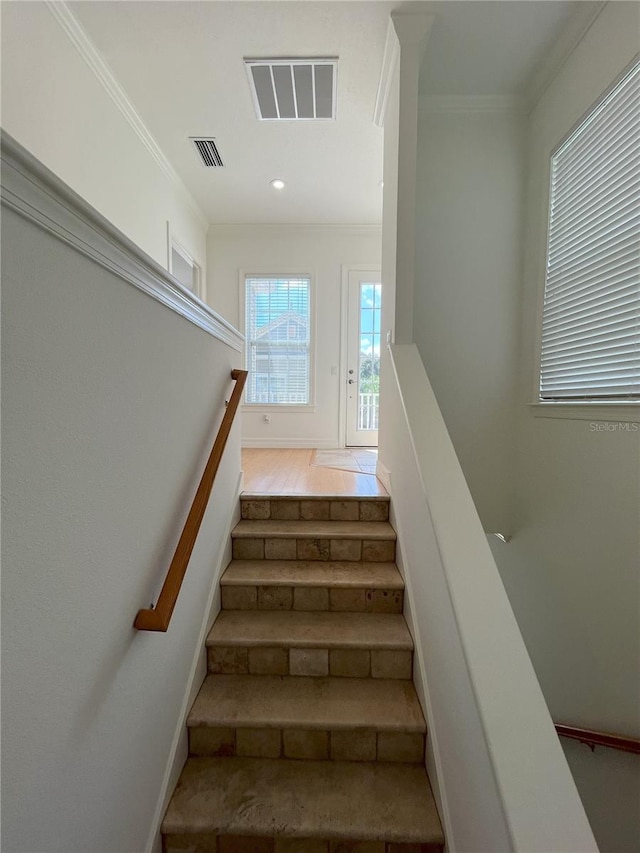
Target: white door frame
[[344, 312]]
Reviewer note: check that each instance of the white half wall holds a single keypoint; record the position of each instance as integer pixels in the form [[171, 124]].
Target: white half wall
[[466, 303], [111, 402], [572, 568], [57, 108], [321, 253]]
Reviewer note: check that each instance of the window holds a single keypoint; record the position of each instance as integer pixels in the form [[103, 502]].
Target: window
[[277, 329], [591, 319]]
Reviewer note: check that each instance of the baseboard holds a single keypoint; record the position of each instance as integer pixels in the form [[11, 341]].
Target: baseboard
[[275, 443], [179, 747]]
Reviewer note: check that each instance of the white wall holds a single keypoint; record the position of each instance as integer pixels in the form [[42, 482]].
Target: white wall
[[468, 251], [56, 107], [322, 253], [571, 570], [110, 405]]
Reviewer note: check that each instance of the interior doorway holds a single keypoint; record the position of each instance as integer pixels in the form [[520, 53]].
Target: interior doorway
[[362, 368]]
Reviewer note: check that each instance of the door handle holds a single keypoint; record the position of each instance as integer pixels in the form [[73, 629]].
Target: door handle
[[351, 381]]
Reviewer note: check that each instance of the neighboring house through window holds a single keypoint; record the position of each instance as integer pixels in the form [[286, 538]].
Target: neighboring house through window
[[278, 340]]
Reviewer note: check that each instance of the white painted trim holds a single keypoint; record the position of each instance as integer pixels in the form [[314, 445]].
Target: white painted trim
[[197, 674], [554, 59], [309, 443], [34, 192], [435, 772], [96, 62], [387, 70], [470, 104]]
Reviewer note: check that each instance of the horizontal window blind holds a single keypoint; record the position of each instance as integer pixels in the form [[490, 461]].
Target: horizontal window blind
[[591, 319], [277, 329]]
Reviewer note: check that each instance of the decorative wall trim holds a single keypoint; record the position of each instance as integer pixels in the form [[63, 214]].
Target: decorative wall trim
[[471, 104], [389, 61], [96, 62], [554, 59], [35, 193]]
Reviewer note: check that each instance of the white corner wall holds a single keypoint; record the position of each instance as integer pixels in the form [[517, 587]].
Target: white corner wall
[[571, 570], [466, 302], [321, 253], [110, 403], [55, 106]]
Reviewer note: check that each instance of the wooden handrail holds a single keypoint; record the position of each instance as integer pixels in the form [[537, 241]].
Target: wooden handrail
[[593, 738], [157, 618]]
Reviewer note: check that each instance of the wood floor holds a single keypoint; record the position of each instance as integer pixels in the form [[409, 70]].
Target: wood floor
[[289, 472]]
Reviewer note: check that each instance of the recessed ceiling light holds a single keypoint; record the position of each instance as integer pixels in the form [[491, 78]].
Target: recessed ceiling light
[[277, 184]]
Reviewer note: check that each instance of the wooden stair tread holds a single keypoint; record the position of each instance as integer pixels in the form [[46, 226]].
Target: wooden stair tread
[[307, 703], [304, 799], [301, 629], [306, 529], [312, 573]]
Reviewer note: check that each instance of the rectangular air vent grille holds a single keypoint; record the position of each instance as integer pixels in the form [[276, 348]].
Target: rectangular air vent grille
[[208, 151], [293, 89]]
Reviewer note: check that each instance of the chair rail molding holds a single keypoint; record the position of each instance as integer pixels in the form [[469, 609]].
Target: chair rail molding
[[38, 195]]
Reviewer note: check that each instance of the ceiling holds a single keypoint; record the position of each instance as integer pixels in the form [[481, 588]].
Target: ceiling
[[181, 64]]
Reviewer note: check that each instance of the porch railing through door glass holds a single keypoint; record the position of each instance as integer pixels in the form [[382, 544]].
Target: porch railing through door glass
[[368, 411]]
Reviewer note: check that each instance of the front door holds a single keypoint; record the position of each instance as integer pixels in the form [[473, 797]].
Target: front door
[[363, 358]]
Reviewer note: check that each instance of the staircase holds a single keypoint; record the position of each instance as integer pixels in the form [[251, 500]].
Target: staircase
[[307, 735]]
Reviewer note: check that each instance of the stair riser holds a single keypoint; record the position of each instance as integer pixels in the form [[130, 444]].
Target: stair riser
[[256, 844], [317, 662], [315, 510], [313, 744], [352, 600], [350, 550]]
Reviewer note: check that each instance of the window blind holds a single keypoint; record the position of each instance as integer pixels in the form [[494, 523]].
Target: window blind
[[277, 329], [591, 317]]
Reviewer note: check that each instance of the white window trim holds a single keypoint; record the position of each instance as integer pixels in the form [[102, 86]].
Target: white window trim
[[285, 272], [173, 243], [588, 410]]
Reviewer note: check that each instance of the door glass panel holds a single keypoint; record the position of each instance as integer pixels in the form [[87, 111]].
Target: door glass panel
[[369, 358]]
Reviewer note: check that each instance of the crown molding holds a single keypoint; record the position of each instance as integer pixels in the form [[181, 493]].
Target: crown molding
[[96, 62], [471, 104], [35, 193], [554, 59]]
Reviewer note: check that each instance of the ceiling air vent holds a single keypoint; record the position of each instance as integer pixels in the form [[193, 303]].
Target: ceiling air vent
[[293, 89], [208, 151]]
